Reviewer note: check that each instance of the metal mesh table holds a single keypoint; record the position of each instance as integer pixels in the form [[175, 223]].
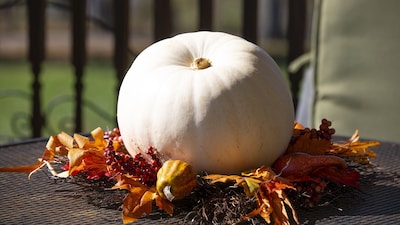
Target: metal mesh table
[[44, 201]]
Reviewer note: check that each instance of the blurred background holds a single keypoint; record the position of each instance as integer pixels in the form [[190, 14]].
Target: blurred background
[[52, 80]]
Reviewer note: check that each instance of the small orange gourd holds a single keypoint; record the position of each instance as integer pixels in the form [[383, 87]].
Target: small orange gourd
[[175, 180]]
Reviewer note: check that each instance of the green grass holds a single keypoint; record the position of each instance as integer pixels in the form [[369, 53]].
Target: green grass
[[57, 79]]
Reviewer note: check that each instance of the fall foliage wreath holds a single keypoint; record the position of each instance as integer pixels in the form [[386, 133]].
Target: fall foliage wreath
[[308, 171]]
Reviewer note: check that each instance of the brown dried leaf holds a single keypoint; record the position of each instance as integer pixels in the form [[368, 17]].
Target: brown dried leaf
[[304, 143]]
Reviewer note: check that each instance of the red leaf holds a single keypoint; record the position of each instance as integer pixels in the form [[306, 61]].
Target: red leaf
[[344, 176]]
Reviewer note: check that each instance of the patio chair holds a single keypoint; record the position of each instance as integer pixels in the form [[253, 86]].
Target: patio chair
[[354, 70]]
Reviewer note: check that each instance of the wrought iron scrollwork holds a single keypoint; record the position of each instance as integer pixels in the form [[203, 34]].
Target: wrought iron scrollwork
[[20, 120], [20, 124], [67, 121]]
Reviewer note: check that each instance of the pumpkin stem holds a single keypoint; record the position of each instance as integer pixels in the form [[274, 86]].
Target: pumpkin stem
[[168, 194], [200, 63]]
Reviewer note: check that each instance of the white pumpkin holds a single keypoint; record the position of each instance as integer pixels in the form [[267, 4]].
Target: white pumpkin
[[211, 99]]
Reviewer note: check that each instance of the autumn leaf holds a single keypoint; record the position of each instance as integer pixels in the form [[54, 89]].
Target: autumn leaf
[[164, 204], [51, 149], [98, 137], [273, 204], [357, 151], [303, 142], [65, 139], [250, 185], [344, 176], [139, 199], [299, 164], [132, 209], [81, 140], [268, 188], [22, 169], [75, 157]]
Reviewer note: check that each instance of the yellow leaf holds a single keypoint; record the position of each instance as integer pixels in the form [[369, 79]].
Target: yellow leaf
[[65, 139], [252, 186], [75, 156], [98, 136], [224, 178], [264, 173], [239, 180], [53, 147], [81, 140], [357, 151]]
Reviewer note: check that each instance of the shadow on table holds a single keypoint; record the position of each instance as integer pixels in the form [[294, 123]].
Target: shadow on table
[[377, 200]]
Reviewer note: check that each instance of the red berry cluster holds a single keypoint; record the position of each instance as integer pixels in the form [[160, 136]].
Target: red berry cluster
[[309, 193], [113, 135], [324, 132], [123, 163]]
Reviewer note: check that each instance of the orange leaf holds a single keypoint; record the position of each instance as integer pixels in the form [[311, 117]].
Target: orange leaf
[[75, 156], [357, 151], [51, 146], [165, 205], [21, 169], [126, 182], [279, 212], [137, 202], [298, 126], [129, 206], [272, 201]]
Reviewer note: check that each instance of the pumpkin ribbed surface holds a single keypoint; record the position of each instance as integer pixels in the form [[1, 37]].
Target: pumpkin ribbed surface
[[211, 99]]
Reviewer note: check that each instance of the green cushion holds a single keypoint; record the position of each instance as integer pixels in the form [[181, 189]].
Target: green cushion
[[356, 61]]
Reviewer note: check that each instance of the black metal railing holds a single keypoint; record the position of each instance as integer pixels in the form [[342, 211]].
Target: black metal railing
[[163, 28]]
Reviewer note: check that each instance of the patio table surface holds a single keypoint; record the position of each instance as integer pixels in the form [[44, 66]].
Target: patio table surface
[[45, 201]]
